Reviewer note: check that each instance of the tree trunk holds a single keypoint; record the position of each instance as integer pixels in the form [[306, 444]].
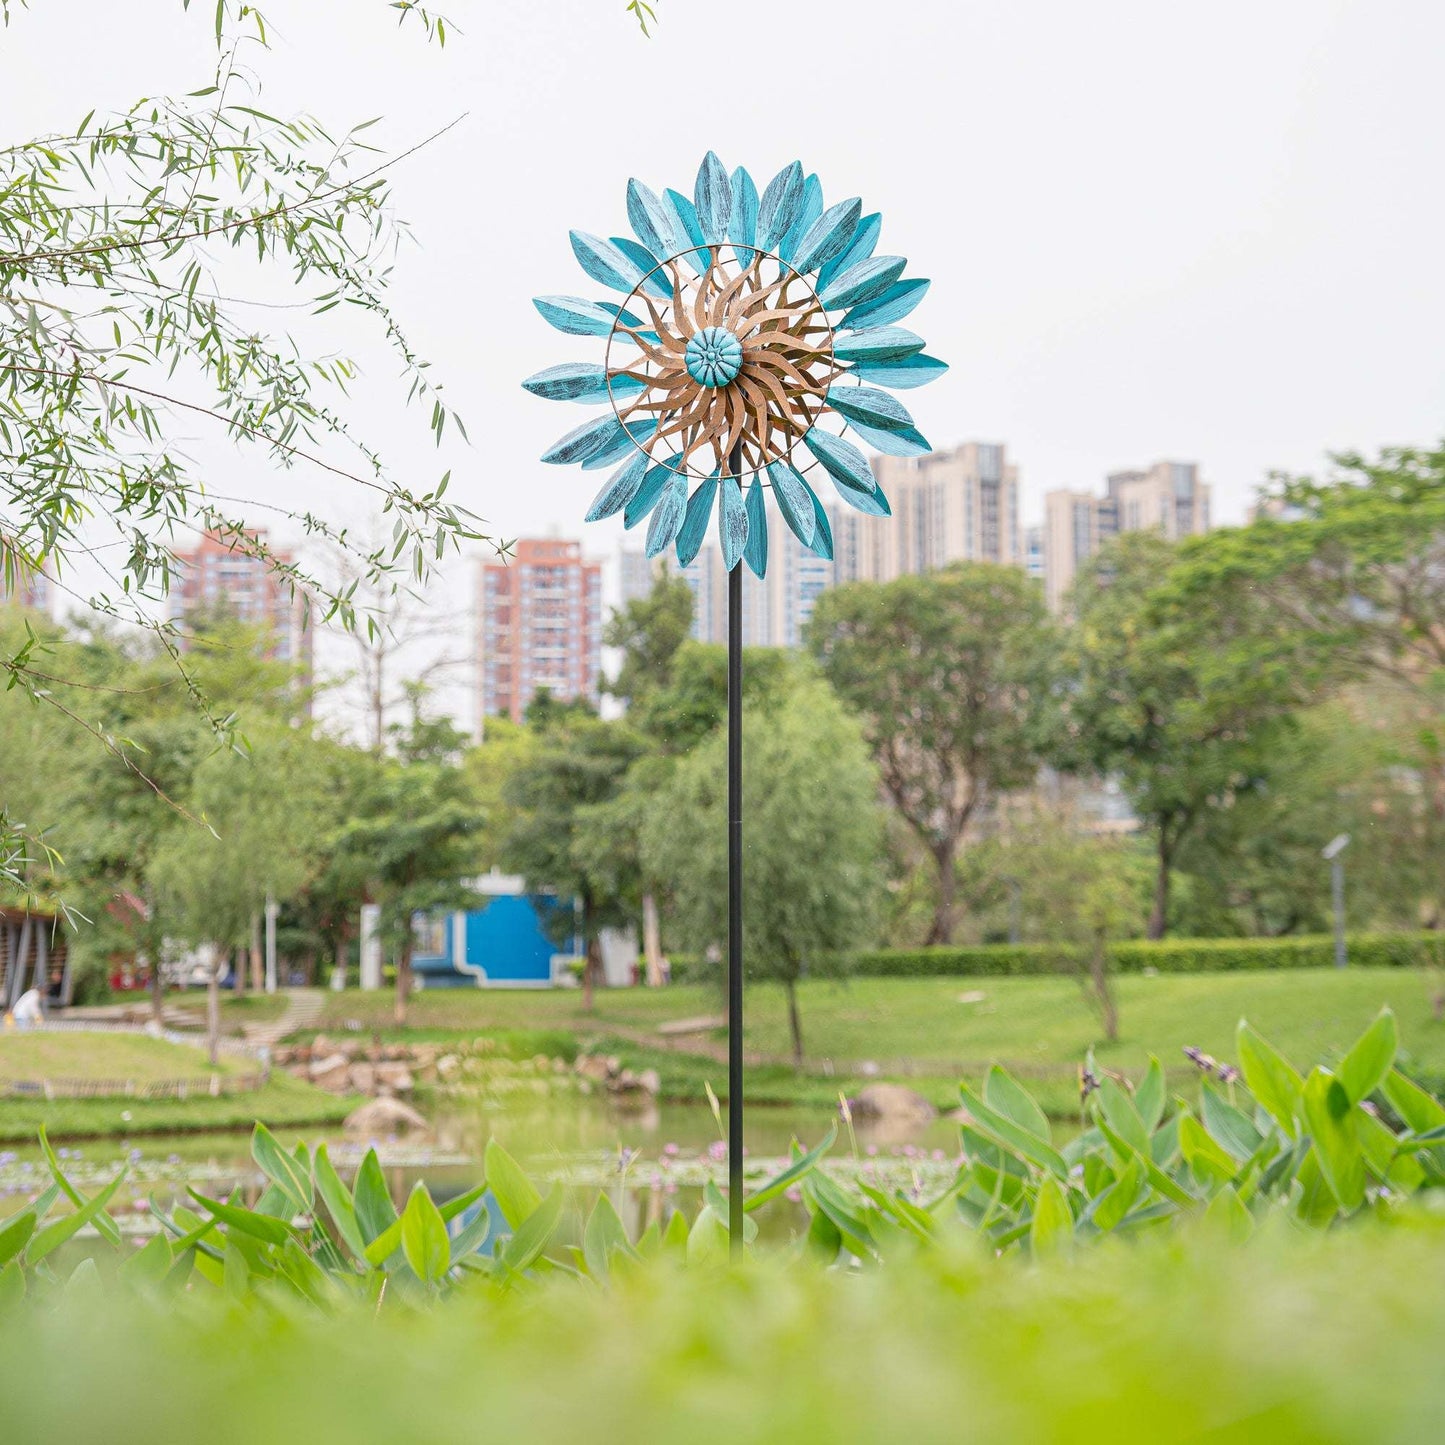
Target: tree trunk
[[213, 1009], [1159, 914], [403, 981], [258, 966], [339, 959], [651, 941], [943, 912], [591, 974], [795, 1022]]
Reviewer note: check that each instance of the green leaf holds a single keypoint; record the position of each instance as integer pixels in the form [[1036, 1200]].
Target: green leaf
[[1151, 1095], [1111, 1206], [515, 1193], [1228, 1125], [265, 1227], [472, 1236], [1227, 1213], [424, 1236], [1122, 1116], [460, 1203], [149, 1265], [54, 1235], [282, 1170], [525, 1247], [1331, 1117], [1270, 1078], [1203, 1153], [1003, 1093], [1420, 1111], [337, 1198], [1006, 1132], [375, 1212], [385, 1244], [603, 1235], [1053, 1224], [1363, 1069], [103, 1222], [707, 1240], [14, 1235], [790, 1176], [12, 1284]]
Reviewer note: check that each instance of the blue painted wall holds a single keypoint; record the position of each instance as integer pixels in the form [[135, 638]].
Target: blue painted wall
[[507, 938]]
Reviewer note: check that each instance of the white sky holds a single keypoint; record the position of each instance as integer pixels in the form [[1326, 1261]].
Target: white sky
[[1204, 233]]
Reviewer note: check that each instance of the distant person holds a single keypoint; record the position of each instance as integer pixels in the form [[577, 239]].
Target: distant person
[[29, 1013]]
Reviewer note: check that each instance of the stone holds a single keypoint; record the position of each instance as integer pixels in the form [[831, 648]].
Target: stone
[[329, 1072], [448, 1065], [395, 1077], [362, 1077], [380, 1118], [594, 1067], [892, 1102], [650, 1082]]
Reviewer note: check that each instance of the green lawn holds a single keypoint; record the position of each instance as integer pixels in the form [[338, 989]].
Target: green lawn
[[41, 1055]]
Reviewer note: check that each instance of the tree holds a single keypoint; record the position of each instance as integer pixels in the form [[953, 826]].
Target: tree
[[649, 631], [559, 838], [954, 675], [812, 843], [1186, 702]]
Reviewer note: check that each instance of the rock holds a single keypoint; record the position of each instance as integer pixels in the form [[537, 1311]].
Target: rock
[[395, 1077], [378, 1118], [321, 1046], [649, 1081], [892, 1102], [362, 1077], [448, 1065], [329, 1072], [594, 1067]]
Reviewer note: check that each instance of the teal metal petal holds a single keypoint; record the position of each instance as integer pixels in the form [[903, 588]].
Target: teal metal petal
[[633, 434], [732, 522], [881, 343], [811, 210], [686, 214], [578, 317], [859, 248], [867, 407], [779, 208], [863, 282], [795, 501], [906, 442], [755, 549], [822, 543], [621, 488], [653, 279], [828, 236], [712, 198], [694, 525], [584, 441], [901, 373], [654, 221], [579, 381], [654, 483], [849, 470], [667, 516], [605, 263], [743, 223], [893, 305]]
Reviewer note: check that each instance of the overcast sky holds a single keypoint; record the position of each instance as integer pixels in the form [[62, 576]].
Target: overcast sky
[[1207, 233]]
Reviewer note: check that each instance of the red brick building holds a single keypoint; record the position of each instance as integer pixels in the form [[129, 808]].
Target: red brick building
[[539, 624]]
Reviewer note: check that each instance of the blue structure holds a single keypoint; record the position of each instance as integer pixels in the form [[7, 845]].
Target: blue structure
[[504, 943]]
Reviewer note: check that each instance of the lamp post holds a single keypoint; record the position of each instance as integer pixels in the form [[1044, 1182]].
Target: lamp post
[[754, 329], [1334, 853]]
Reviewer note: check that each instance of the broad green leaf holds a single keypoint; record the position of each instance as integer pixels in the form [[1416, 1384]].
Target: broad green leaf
[[794, 1172], [1384, 1154], [1227, 1213], [707, 1240], [304, 1275], [265, 1227], [103, 1222], [337, 1198], [12, 1284], [1053, 1224], [1270, 1078], [282, 1170], [1123, 1117], [385, 1244], [1204, 1155], [473, 1235], [1006, 1132], [1332, 1117], [462, 1202], [674, 1237], [824, 1195], [602, 1236], [1118, 1199], [1420, 1111], [1228, 1126], [525, 1247], [424, 1236], [1152, 1095], [54, 1235], [14, 1235], [150, 1264], [375, 1212], [1003, 1093], [1363, 1069], [516, 1195], [1158, 1179]]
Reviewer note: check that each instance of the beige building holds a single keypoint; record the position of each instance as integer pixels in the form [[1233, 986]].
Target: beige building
[[1168, 498]]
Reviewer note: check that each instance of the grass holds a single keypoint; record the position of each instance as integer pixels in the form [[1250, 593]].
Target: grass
[[42, 1055]]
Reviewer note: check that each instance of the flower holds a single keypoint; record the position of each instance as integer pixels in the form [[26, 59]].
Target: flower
[[747, 322]]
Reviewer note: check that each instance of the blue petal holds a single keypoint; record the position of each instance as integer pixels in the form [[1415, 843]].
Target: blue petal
[[654, 221], [743, 223], [713, 199], [860, 248], [811, 209], [667, 516], [582, 318], [828, 236], [867, 407], [795, 501], [903, 372], [652, 487], [694, 526], [686, 214], [732, 522], [755, 550], [579, 381], [881, 343], [584, 441], [621, 488], [653, 280], [822, 543], [605, 263], [906, 442], [862, 282], [850, 472], [893, 305], [633, 434], [779, 208]]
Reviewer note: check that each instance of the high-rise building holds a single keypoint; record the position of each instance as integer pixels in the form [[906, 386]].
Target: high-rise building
[[637, 572], [220, 577], [1167, 497], [539, 626], [1034, 552], [961, 505]]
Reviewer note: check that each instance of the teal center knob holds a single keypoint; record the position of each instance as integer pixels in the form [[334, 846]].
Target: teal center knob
[[713, 357]]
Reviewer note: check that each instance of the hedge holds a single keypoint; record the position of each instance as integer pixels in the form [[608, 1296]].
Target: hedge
[[1170, 955]]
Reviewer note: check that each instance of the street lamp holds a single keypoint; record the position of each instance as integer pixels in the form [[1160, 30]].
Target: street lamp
[[1333, 853]]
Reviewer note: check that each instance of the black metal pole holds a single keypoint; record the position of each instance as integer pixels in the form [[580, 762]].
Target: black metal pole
[[735, 894]]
